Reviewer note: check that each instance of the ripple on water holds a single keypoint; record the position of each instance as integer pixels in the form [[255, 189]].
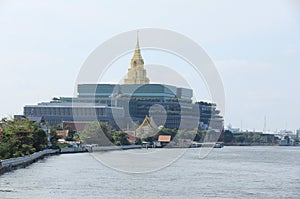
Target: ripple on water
[[230, 172]]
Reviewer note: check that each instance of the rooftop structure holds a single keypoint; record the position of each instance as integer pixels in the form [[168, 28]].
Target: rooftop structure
[[137, 73]]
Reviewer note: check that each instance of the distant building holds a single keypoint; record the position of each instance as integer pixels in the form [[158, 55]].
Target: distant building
[[148, 128], [111, 103], [74, 126], [164, 139], [125, 106], [63, 133], [232, 129], [298, 133], [58, 111]]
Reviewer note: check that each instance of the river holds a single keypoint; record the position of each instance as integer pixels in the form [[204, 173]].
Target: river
[[230, 172]]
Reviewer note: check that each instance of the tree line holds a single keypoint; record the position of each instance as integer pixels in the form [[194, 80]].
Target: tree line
[[248, 138], [103, 134], [20, 137]]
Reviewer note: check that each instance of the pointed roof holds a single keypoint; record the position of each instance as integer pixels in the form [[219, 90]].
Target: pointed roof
[[137, 51], [148, 121]]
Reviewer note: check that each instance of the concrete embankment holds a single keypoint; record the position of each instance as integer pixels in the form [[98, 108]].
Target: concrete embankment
[[21, 162], [14, 163], [73, 150], [111, 148]]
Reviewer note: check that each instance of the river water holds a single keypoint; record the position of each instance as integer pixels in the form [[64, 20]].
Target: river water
[[230, 172]]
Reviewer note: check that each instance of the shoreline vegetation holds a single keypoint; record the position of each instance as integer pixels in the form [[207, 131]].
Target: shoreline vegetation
[[256, 139], [22, 138], [249, 139]]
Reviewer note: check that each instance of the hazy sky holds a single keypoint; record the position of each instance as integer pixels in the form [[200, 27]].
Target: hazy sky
[[254, 44]]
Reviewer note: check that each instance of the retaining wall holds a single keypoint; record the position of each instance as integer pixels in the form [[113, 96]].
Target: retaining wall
[[12, 163]]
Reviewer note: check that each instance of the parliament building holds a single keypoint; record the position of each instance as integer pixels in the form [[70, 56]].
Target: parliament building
[[126, 105]]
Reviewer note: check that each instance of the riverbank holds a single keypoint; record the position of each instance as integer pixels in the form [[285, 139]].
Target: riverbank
[[8, 165], [94, 148], [22, 162], [233, 172], [251, 144]]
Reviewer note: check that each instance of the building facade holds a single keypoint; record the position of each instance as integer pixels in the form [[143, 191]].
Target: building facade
[[123, 105], [126, 105]]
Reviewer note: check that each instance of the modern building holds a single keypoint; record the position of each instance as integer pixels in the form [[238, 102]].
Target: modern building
[[233, 129], [125, 106]]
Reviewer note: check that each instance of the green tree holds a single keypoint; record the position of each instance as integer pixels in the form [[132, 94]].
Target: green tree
[[120, 138], [39, 140], [97, 133], [199, 137], [228, 136], [76, 137], [138, 141], [54, 137], [240, 138], [20, 137]]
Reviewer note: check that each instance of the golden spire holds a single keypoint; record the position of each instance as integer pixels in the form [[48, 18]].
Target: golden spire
[[137, 52], [137, 73]]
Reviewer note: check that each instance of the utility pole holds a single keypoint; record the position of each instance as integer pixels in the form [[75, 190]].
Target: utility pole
[[241, 125], [265, 124]]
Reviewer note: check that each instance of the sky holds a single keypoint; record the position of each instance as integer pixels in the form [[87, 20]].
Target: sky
[[255, 45]]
